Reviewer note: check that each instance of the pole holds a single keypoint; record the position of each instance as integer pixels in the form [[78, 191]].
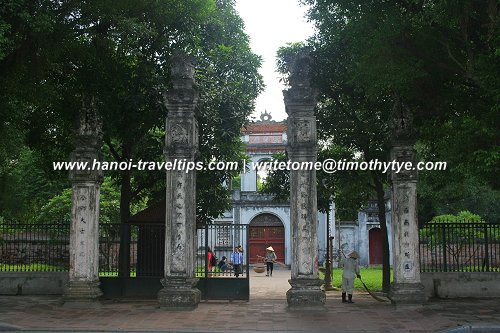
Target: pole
[[328, 258], [339, 248]]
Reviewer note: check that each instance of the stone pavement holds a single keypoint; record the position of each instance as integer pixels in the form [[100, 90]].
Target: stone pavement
[[266, 311]]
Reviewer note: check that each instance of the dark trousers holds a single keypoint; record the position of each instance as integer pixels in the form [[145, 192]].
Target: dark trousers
[[270, 266], [237, 269]]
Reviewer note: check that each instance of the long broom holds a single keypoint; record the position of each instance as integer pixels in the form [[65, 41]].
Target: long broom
[[368, 290], [274, 261], [372, 294]]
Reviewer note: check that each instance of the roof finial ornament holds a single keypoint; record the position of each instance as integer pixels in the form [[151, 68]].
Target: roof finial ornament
[[265, 116]]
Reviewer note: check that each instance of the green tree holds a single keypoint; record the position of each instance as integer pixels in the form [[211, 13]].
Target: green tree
[[58, 208], [229, 83], [439, 57], [119, 54], [26, 186]]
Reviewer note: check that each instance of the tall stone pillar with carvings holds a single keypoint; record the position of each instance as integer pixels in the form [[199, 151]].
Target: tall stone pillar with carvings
[[83, 285], [300, 101], [181, 143], [407, 287]]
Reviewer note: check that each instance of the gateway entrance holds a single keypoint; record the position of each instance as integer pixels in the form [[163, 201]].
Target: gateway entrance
[[266, 230]]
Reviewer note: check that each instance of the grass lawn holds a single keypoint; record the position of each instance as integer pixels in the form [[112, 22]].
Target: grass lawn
[[372, 277], [31, 268]]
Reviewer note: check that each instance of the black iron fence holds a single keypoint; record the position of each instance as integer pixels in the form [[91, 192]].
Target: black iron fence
[[45, 248], [460, 247], [110, 250], [444, 247], [34, 247]]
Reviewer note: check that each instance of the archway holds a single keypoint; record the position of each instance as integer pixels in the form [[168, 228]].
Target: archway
[[375, 246], [262, 172], [266, 230]]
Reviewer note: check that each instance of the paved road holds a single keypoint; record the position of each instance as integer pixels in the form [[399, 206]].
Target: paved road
[[265, 312]]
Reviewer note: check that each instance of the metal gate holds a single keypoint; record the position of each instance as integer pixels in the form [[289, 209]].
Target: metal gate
[[145, 262], [224, 280]]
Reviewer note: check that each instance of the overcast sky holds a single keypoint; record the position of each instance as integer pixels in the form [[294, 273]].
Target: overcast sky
[[270, 24]]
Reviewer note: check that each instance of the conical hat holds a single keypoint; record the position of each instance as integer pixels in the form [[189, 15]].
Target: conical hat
[[270, 248], [354, 255]]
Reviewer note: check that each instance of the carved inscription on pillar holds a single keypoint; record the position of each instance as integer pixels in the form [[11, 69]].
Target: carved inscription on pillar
[[406, 241], [305, 268], [84, 235], [179, 219]]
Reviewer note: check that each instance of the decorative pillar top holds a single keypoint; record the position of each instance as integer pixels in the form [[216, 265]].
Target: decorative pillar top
[[181, 140], [300, 101], [402, 130], [182, 70], [402, 140], [89, 132], [301, 92], [183, 96], [88, 142]]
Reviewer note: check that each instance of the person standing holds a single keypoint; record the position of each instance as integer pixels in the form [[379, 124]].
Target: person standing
[[349, 274], [212, 260], [237, 261], [270, 260]]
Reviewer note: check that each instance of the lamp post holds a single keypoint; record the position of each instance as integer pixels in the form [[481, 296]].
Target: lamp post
[[328, 257]]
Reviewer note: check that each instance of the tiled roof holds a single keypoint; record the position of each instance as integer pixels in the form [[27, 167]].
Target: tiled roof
[[264, 127], [153, 214], [275, 149]]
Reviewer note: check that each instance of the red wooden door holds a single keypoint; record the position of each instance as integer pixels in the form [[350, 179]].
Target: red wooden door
[[375, 247], [263, 237], [266, 230]]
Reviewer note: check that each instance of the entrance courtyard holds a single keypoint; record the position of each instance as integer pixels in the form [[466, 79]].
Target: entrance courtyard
[[266, 311]]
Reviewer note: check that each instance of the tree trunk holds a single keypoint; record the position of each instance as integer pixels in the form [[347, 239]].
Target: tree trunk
[[386, 266], [125, 199]]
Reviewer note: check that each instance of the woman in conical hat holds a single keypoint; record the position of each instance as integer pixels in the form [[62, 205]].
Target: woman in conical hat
[[351, 270], [270, 259]]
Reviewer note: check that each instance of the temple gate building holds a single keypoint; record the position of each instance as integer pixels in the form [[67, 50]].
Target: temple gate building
[[269, 220]]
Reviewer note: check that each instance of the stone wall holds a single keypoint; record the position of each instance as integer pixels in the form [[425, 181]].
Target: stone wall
[[455, 285], [442, 285], [32, 283]]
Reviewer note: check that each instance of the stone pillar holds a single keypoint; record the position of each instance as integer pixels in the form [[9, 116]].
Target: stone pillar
[[83, 284], [181, 143], [407, 287], [300, 101]]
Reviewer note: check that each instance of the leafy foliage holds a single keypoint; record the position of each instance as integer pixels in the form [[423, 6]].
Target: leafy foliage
[[439, 57], [54, 54], [461, 217], [58, 208]]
